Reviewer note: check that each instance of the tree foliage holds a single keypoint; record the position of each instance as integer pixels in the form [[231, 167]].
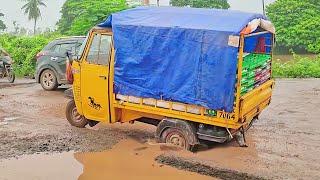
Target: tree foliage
[[218, 4], [79, 16], [2, 25], [297, 23], [31, 8]]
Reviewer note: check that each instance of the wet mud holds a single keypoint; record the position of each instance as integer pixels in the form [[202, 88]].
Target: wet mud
[[283, 144]]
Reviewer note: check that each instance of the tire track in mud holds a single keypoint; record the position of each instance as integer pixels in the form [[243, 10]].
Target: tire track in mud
[[6, 85], [192, 166]]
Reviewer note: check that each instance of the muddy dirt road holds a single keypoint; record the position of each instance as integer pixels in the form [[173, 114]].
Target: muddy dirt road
[[34, 134]]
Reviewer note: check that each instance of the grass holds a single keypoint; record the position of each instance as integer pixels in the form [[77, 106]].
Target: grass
[[298, 67]]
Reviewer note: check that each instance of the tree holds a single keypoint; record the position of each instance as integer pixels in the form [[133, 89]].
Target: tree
[[297, 23], [31, 8], [79, 16], [218, 4], [16, 27], [2, 25]]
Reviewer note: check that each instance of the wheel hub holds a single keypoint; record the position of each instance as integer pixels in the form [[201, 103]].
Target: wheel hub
[[177, 140], [75, 115], [48, 79]]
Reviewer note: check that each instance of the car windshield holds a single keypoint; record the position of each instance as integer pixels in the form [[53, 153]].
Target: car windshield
[[83, 46]]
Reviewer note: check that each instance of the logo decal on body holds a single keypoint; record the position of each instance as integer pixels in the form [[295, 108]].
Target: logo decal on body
[[94, 104]]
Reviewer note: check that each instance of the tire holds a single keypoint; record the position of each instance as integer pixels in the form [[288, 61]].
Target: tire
[[176, 137], [11, 77], [74, 118], [48, 80]]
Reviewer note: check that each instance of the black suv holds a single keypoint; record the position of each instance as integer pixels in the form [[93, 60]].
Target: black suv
[[51, 61]]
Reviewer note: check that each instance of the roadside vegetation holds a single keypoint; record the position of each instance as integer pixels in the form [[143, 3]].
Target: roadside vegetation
[[298, 67], [297, 25], [23, 49]]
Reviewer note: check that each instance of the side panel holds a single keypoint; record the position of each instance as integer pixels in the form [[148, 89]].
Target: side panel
[[94, 92], [95, 78], [255, 101]]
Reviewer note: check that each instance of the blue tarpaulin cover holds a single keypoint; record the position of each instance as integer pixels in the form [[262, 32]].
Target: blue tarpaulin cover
[[178, 54]]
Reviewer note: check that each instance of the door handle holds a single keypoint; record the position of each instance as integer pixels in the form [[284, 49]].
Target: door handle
[[103, 77], [54, 58]]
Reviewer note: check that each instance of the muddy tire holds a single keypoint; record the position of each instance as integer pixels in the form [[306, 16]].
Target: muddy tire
[[176, 137], [74, 118], [48, 80], [11, 77]]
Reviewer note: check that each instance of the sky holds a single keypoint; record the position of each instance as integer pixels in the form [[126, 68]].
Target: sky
[[51, 14]]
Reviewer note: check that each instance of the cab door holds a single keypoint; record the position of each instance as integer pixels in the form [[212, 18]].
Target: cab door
[[95, 78]]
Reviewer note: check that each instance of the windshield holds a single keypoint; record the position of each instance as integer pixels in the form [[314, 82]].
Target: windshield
[[82, 47]]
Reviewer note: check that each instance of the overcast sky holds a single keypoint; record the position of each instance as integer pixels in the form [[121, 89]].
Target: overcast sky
[[51, 14]]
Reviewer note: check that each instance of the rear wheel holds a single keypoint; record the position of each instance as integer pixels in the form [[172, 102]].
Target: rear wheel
[[176, 137], [48, 80], [73, 116]]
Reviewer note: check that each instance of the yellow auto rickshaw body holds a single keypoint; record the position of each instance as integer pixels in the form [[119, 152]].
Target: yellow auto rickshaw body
[[94, 96]]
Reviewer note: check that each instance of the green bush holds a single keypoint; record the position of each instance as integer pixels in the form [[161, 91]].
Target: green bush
[[299, 67], [23, 50]]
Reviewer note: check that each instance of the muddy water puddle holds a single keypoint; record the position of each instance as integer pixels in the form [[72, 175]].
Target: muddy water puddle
[[41, 166], [127, 159]]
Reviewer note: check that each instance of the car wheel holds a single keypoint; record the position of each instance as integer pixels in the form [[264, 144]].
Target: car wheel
[[73, 116], [48, 80]]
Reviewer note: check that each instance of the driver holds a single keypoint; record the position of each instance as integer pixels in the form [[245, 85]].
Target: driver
[[4, 58], [1, 57]]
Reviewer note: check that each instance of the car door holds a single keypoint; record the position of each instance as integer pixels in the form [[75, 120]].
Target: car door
[[95, 78]]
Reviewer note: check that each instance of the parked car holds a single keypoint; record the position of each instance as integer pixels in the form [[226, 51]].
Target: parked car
[[51, 61]]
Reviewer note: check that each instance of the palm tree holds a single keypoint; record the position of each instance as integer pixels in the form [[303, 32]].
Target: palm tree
[[263, 7], [2, 25], [31, 8]]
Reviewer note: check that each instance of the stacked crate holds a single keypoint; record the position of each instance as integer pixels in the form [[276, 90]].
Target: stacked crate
[[256, 70]]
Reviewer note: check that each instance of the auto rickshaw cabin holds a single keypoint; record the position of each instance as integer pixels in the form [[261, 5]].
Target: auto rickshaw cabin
[[195, 73]]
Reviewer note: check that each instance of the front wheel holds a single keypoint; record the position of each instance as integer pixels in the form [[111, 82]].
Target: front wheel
[[73, 116], [11, 76]]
